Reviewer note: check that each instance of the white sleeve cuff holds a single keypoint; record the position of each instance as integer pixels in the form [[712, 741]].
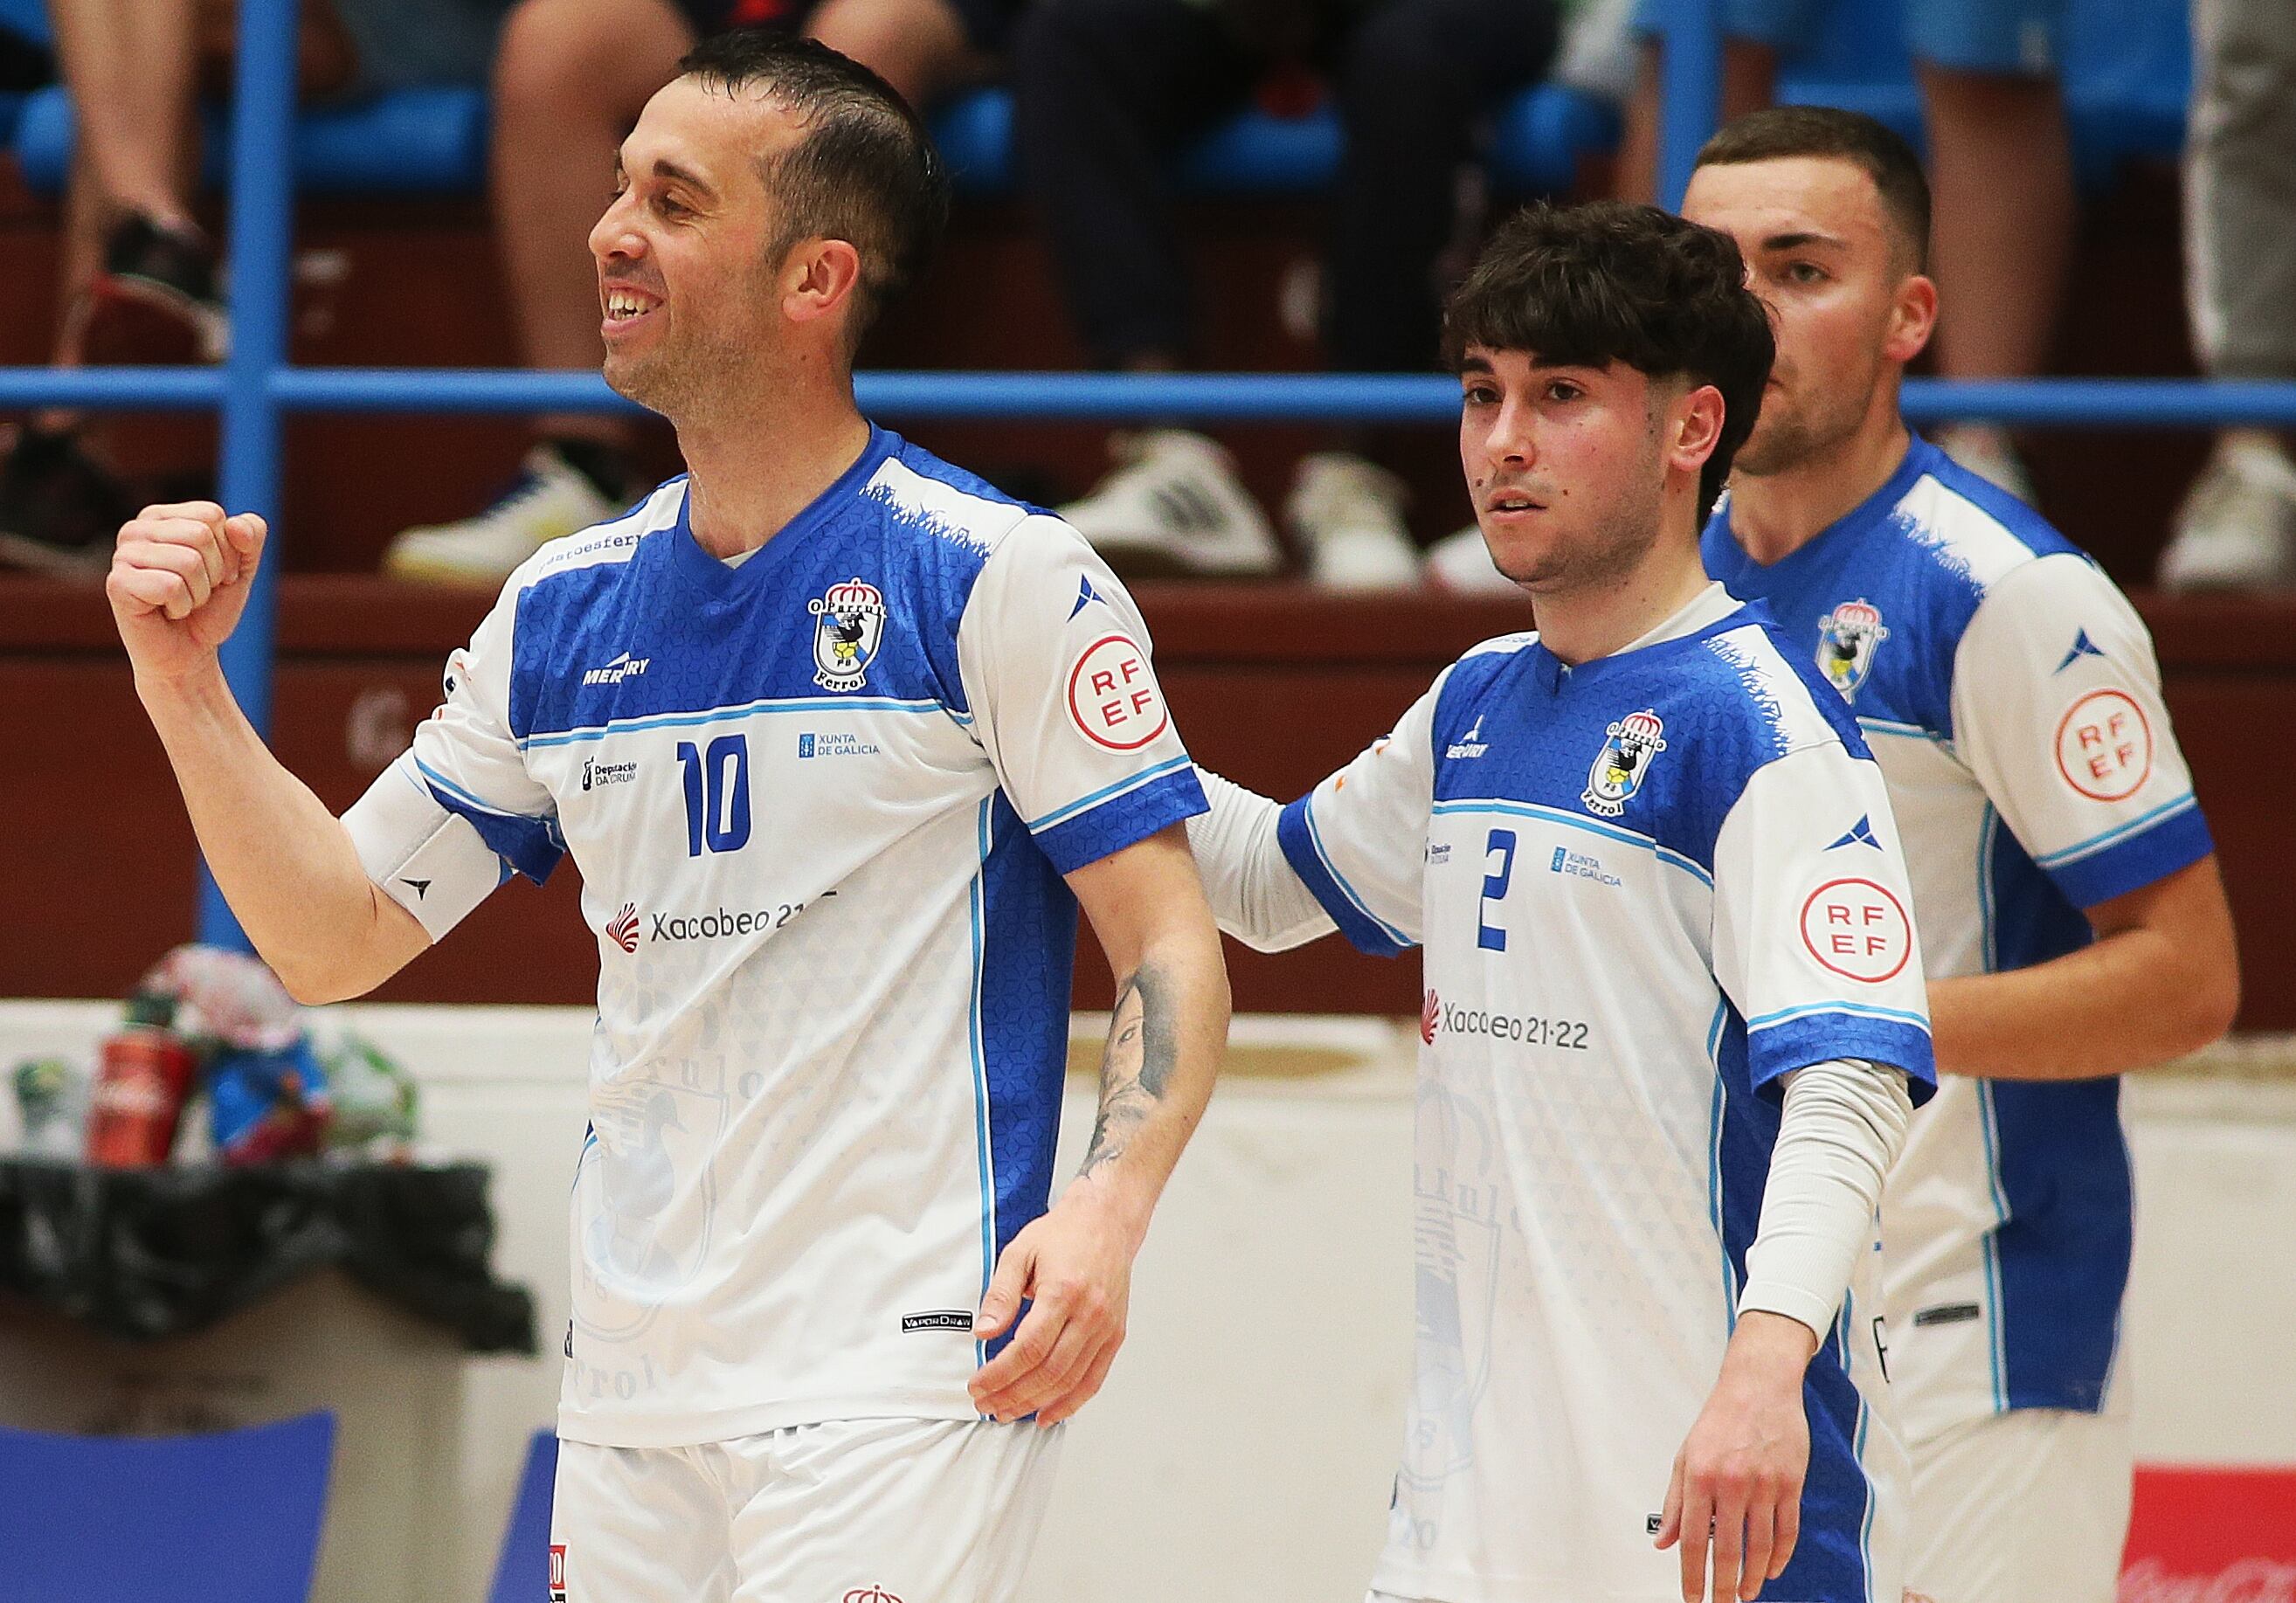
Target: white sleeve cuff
[[1256, 894], [1843, 1127], [428, 860]]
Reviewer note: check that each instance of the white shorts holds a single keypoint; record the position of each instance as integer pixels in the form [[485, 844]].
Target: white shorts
[[928, 1511], [2032, 1504]]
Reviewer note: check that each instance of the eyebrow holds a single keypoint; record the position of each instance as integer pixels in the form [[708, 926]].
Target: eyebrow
[[1482, 364], [674, 174], [1803, 241]]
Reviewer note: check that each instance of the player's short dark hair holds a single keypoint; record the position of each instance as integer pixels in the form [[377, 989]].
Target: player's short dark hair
[[1783, 131], [865, 170], [1611, 281]]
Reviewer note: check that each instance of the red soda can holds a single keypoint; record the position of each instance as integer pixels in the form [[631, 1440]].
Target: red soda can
[[141, 1082]]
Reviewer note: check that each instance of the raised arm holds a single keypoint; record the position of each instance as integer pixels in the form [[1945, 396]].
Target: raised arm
[[1165, 1034], [178, 583]]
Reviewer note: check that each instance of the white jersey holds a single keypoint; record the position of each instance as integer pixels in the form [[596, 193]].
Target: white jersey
[[2012, 698], [822, 801], [1649, 887]]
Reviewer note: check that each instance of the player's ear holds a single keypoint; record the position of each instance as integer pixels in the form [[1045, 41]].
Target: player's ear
[[1696, 425], [1911, 318], [819, 278]]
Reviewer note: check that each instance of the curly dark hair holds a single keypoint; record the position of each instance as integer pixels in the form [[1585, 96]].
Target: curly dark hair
[[1611, 281], [865, 171]]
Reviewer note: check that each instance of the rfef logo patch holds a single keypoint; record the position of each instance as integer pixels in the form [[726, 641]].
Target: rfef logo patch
[[2104, 746], [557, 1572], [1112, 697], [1858, 929]]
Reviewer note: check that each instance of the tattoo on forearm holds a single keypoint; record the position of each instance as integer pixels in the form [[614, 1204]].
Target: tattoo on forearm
[[1138, 1067]]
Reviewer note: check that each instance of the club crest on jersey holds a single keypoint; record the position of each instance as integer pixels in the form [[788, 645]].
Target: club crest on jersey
[[1846, 639], [849, 627], [1623, 762]]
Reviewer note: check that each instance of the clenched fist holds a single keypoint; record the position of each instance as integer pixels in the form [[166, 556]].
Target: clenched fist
[[178, 583]]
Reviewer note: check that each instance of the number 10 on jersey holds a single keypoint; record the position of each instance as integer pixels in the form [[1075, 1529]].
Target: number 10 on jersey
[[716, 794]]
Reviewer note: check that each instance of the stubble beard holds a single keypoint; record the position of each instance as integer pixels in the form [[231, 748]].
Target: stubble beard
[[1783, 440], [1621, 538], [681, 384]]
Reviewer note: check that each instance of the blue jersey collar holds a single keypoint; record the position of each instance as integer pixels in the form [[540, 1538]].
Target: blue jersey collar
[[713, 578], [1725, 559]]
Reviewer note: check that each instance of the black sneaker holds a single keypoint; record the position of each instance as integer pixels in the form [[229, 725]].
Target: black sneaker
[[60, 509], [156, 302]]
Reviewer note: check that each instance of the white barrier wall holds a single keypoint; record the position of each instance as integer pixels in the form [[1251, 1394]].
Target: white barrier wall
[[1243, 1448]]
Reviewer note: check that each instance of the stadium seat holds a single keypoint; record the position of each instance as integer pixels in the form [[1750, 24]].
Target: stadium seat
[[227, 1519], [408, 142], [520, 1570], [433, 142], [2128, 75]]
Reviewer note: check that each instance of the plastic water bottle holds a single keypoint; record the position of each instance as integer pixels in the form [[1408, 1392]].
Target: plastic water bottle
[[141, 1082]]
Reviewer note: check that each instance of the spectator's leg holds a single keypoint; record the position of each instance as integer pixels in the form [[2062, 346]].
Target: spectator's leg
[[1414, 80], [1749, 79], [571, 77], [2240, 190], [129, 65], [2002, 181], [1103, 91], [2236, 528], [919, 46]]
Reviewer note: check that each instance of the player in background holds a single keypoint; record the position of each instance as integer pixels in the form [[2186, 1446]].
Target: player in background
[[840, 737], [2072, 915], [1674, 1021]]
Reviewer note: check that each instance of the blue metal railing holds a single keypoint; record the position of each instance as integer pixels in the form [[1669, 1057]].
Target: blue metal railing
[[256, 388]]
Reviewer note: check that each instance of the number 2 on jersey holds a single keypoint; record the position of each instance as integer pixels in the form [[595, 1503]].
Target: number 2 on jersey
[[1494, 889], [716, 794]]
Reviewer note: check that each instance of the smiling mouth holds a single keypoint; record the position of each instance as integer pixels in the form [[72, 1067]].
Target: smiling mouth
[[626, 306], [1512, 502]]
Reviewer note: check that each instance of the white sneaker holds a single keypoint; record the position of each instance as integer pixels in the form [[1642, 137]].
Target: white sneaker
[[1986, 451], [2236, 529], [1175, 507], [1461, 562], [1347, 516], [551, 499]]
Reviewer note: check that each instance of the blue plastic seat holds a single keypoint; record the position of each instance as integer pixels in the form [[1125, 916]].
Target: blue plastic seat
[[2127, 76], [523, 1568], [408, 142], [227, 1519], [433, 142], [1538, 136]]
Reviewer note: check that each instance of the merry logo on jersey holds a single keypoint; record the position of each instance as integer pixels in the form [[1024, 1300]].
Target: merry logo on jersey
[[1846, 639], [851, 626], [1623, 762]]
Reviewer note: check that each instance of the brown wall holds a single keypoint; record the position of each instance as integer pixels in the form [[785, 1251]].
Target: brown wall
[[1275, 686]]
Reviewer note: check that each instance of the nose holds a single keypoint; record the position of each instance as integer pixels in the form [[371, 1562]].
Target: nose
[[616, 235], [1510, 443]]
